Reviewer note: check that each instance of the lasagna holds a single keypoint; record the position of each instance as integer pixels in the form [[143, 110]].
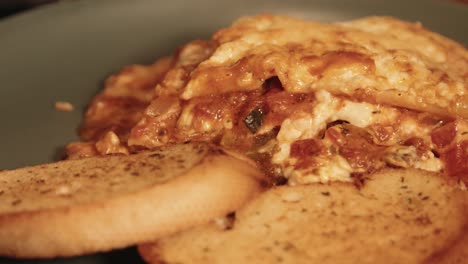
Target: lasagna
[[310, 102]]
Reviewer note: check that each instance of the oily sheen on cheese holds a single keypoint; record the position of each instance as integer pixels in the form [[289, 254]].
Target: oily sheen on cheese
[[309, 101]]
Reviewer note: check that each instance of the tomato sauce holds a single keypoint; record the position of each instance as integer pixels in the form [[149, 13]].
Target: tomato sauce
[[453, 151], [356, 146], [456, 160]]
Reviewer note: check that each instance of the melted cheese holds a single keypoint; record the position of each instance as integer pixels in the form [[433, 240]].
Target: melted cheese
[[329, 108], [411, 67], [360, 114], [429, 163], [358, 71], [306, 125], [335, 168]]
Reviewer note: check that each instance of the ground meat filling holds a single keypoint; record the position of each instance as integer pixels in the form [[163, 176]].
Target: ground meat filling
[[250, 121]]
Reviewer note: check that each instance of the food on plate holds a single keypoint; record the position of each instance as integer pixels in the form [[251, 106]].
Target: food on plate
[[377, 102], [399, 216], [311, 102], [360, 129], [97, 204]]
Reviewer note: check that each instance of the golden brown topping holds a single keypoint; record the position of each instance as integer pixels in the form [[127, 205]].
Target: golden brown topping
[[344, 58], [309, 101], [122, 102], [110, 144]]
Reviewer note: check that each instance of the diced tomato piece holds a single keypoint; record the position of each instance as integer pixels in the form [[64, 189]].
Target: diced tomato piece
[[306, 148], [456, 160], [444, 135], [305, 151]]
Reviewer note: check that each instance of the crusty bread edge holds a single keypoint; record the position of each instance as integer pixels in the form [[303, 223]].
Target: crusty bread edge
[[151, 253], [132, 219]]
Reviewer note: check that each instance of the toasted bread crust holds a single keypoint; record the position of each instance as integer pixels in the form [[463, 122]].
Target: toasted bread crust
[[212, 185], [455, 253], [399, 216]]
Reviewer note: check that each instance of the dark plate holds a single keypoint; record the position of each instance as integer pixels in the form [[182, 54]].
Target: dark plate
[[64, 51]]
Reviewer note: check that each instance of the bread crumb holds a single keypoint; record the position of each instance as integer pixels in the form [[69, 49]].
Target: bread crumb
[[291, 197], [63, 106]]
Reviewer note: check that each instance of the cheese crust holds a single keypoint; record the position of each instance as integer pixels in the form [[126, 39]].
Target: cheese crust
[[310, 101]]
